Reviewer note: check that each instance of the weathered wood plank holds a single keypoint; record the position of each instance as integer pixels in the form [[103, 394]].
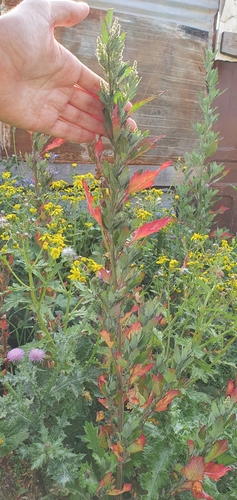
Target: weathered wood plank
[[229, 44]]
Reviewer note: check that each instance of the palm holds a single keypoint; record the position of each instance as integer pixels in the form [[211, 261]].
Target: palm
[[44, 74]]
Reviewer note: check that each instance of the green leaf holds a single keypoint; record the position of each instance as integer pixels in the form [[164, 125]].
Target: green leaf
[[109, 17], [92, 439], [156, 478]]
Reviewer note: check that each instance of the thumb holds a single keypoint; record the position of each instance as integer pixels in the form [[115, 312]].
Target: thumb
[[67, 12]]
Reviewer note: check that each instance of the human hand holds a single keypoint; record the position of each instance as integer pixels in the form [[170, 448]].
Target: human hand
[[43, 87]]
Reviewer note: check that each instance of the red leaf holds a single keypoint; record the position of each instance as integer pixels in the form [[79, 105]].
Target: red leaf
[[103, 402], [215, 471], [95, 212], [104, 275], [194, 471], [137, 445], [163, 404], [198, 492], [55, 144], [230, 387], [101, 383], [234, 395], [218, 448], [115, 492], [144, 180], [149, 228], [139, 370], [99, 148]]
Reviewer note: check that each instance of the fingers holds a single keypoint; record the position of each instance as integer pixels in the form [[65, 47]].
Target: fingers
[[68, 13], [88, 121], [70, 132]]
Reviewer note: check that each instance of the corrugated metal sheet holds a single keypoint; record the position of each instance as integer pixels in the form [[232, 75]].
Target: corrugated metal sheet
[[197, 14]]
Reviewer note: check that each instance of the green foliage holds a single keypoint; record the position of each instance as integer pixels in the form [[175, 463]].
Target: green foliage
[[134, 309]]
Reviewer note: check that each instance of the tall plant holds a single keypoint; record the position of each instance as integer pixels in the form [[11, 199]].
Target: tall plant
[[196, 195]]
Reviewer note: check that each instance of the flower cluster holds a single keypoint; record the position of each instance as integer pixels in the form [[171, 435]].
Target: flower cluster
[[36, 355]]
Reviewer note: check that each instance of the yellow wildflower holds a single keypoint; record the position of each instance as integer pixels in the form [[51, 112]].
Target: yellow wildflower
[[162, 260], [199, 237], [33, 210], [6, 175], [173, 264], [55, 252], [16, 206], [75, 274]]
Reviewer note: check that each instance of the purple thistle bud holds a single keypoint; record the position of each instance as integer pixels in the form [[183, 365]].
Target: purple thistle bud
[[36, 355], [15, 355]]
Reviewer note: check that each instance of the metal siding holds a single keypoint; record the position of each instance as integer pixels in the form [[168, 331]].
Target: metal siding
[[192, 13]]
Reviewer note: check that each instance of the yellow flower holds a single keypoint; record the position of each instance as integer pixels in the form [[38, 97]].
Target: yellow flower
[[93, 266], [143, 214], [5, 237], [198, 237], [176, 197], [55, 252], [88, 224], [162, 260], [33, 210], [47, 155], [75, 274], [12, 217], [74, 165], [59, 184], [17, 206], [173, 264], [6, 175]]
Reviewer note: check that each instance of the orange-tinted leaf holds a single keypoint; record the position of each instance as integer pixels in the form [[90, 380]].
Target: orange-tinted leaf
[[139, 370], [144, 180], [55, 144], [190, 446], [157, 384], [194, 471], [144, 146], [218, 448], [163, 404], [134, 328], [149, 228], [215, 471], [198, 492], [234, 395], [107, 481], [117, 449], [95, 212], [149, 401], [115, 492], [230, 387], [137, 445], [137, 105], [106, 337]]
